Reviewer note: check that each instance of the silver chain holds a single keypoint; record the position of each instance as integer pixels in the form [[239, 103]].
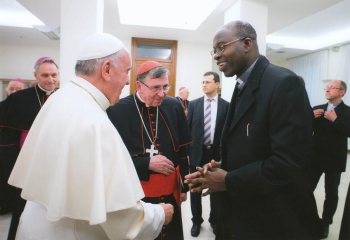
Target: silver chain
[[144, 125]]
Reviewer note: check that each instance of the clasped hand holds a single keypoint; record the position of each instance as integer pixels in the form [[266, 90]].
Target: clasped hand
[[210, 177]]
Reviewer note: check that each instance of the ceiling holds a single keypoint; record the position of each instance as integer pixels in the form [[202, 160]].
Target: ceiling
[[290, 18]]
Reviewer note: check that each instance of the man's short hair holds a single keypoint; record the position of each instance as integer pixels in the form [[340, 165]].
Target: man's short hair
[[245, 29], [157, 72], [43, 60], [216, 76], [89, 67], [343, 86]]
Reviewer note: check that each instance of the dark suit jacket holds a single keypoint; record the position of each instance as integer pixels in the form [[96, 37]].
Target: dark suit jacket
[[331, 139], [195, 118], [267, 196]]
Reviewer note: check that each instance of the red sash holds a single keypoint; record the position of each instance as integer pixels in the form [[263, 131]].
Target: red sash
[[160, 185]]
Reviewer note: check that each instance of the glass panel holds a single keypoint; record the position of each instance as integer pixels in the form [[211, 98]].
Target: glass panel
[[159, 51]]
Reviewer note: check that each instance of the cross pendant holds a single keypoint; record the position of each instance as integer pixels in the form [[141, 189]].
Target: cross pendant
[[151, 150]]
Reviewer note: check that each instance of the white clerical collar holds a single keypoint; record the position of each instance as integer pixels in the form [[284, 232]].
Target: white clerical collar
[[140, 98], [47, 92], [96, 94], [214, 98], [332, 105]]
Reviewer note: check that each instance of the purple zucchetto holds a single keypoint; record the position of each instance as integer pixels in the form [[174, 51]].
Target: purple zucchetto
[[17, 80]]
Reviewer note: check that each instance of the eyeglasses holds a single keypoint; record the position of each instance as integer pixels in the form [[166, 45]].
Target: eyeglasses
[[165, 88], [207, 82], [332, 87], [221, 48]]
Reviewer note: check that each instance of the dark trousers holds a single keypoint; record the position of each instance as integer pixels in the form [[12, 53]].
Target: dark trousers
[[7, 192], [332, 181], [196, 198], [16, 214], [344, 233]]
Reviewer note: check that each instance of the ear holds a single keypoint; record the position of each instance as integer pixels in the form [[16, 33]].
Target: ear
[[343, 92], [34, 74], [106, 70], [217, 84], [248, 43], [138, 85]]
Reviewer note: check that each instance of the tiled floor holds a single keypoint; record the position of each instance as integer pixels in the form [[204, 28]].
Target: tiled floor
[[206, 231]]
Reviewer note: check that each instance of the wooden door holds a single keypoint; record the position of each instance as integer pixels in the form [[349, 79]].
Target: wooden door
[[168, 61]]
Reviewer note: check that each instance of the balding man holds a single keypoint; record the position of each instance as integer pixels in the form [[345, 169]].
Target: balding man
[[331, 133], [183, 98], [75, 170], [15, 85], [266, 143]]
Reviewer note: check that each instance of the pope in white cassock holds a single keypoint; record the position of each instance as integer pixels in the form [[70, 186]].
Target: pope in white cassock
[[74, 169]]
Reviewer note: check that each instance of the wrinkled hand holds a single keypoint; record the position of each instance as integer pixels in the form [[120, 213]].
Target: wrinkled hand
[[318, 112], [210, 176], [168, 211], [183, 197], [330, 115], [161, 164]]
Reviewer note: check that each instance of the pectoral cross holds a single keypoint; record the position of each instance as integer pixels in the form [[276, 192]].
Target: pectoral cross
[[151, 150]]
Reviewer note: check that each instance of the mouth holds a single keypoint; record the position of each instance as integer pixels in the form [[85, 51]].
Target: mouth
[[222, 66]]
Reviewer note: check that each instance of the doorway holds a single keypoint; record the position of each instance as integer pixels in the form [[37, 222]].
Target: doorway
[[162, 51]]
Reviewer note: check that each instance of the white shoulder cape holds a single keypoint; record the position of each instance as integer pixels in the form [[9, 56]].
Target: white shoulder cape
[[74, 161]]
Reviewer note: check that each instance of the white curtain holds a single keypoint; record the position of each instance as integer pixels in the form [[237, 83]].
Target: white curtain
[[313, 68], [343, 72]]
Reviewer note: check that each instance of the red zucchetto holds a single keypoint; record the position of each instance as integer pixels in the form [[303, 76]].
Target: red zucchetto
[[148, 65]]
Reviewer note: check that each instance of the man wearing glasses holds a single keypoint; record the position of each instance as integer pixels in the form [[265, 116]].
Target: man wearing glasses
[[266, 144], [331, 131], [155, 131]]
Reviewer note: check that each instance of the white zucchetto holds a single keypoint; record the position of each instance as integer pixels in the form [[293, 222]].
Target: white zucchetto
[[99, 45]]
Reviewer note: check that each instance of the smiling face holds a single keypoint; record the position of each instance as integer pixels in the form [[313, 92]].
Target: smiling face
[[47, 76], [237, 56]]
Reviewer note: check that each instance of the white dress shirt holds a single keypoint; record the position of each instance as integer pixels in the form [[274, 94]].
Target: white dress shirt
[[214, 110]]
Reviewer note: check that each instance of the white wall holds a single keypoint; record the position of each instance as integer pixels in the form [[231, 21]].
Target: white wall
[[193, 60], [18, 61]]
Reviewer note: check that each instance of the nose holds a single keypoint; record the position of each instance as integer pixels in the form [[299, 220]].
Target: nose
[[51, 79], [162, 93]]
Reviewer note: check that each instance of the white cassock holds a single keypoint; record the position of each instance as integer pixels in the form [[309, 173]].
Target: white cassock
[[77, 175]]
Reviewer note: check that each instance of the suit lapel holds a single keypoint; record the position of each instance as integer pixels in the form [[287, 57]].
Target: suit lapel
[[252, 84], [218, 114], [201, 112], [338, 109]]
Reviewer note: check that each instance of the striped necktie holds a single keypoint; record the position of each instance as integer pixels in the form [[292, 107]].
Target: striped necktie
[[207, 124]]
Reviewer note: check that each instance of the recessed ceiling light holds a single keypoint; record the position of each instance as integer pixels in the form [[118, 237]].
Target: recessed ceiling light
[[14, 14], [182, 14]]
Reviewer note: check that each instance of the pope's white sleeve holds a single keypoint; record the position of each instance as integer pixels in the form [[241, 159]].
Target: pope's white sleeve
[[143, 221]]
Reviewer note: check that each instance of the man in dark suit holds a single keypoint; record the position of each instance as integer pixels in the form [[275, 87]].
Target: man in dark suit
[[200, 153], [266, 143], [183, 96], [331, 132]]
